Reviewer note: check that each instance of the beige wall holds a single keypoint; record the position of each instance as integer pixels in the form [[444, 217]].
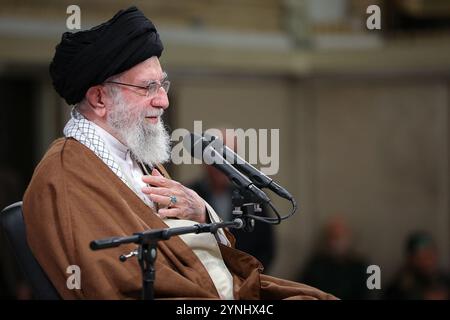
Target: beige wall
[[382, 161]]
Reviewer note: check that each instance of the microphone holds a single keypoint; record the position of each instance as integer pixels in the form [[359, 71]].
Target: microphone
[[259, 179], [201, 149]]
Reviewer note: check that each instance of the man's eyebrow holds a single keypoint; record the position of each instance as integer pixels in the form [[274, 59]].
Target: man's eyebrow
[[148, 81]]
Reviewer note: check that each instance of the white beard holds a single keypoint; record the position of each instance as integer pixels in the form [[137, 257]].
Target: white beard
[[149, 143]]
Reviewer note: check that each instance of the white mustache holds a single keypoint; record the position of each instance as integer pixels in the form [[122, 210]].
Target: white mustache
[[157, 113]]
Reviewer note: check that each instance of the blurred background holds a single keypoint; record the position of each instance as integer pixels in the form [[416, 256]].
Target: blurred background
[[363, 117]]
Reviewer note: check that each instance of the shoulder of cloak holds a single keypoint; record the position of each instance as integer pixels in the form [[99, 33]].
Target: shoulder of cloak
[[72, 171], [67, 154], [68, 164]]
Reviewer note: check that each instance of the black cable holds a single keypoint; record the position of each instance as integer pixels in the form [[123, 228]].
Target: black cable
[[278, 219]]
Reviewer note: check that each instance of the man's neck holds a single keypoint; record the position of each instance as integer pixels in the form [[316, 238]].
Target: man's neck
[[102, 124], [112, 143]]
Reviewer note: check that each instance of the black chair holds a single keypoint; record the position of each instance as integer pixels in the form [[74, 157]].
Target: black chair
[[13, 228]]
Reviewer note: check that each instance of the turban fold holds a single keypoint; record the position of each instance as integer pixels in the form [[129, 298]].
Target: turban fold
[[87, 58]]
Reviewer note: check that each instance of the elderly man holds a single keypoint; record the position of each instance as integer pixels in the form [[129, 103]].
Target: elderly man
[[105, 178]]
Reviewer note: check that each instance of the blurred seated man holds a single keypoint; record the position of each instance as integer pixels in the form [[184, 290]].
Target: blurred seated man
[[335, 267], [105, 178], [420, 278], [216, 189]]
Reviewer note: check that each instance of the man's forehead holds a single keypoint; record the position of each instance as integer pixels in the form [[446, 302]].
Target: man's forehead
[[149, 69]]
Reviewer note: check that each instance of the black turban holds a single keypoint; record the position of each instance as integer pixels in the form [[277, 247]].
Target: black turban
[[87, 58]]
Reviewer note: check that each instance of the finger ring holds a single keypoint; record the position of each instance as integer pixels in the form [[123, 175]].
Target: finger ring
[[173, 200]]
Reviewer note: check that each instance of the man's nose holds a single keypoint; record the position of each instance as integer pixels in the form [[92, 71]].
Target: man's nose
[[161, 100]]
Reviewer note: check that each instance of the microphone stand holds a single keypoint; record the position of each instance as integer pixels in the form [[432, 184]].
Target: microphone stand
[[243, 209], [147, 247]]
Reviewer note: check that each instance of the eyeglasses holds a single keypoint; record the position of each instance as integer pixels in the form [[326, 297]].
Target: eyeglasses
[[152, 88]]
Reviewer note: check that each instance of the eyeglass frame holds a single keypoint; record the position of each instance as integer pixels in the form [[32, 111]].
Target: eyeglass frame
[[160, 84]]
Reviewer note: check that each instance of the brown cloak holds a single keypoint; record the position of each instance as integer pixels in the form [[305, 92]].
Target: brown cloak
[[74, 198]]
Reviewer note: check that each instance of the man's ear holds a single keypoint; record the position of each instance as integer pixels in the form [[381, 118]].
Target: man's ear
[[97, 100]]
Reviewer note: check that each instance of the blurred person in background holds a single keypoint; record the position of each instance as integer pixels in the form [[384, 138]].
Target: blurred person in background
[[420, 278], [335, 266]]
